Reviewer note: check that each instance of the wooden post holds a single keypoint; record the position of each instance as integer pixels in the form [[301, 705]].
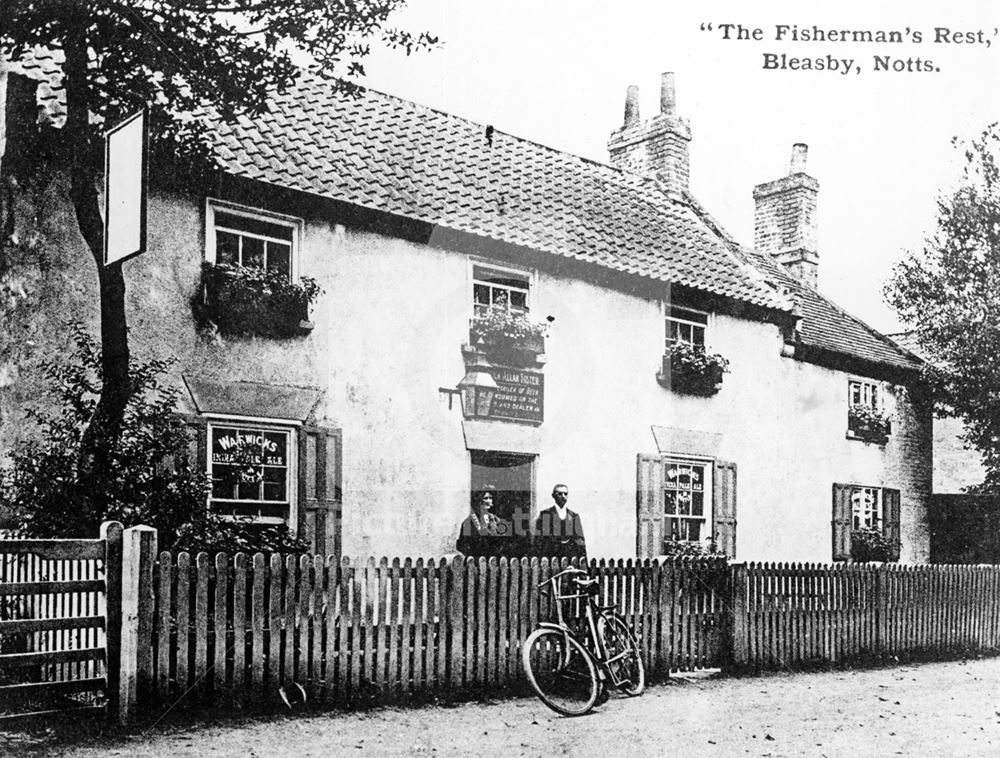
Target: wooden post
[[739, 656], [111, 533], [136, 670]]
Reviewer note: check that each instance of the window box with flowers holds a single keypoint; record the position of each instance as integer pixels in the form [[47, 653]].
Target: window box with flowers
[[247, 300], [691, 369], [868, 424], [507, 337]]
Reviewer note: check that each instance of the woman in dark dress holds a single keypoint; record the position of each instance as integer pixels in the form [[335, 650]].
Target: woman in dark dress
[[482, 533]]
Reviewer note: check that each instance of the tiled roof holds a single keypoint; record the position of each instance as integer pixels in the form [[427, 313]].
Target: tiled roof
[[828, 327], [45, 67], [391, 155]]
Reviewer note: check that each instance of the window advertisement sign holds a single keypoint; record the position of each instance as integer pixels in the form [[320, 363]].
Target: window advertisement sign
[[249, 466]]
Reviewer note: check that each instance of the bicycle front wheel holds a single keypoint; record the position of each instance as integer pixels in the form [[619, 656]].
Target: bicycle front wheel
[[624, 658], [561, 671]]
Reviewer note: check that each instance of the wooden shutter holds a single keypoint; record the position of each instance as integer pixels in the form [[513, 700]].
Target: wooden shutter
[[320, 457], [890, 510], [842, 518], [197, 450], [724, 508], [649, 506]]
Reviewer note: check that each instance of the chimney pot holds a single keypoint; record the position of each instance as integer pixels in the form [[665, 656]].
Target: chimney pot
[[631, 105], [668, 95], [800, 151]]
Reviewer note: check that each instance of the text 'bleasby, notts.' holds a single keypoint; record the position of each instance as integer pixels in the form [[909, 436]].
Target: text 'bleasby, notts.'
[[880, 61]]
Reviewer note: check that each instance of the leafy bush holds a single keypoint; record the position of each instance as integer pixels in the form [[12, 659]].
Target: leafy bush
[[247, 300], [148, 481], [870, 545], [691, 369]]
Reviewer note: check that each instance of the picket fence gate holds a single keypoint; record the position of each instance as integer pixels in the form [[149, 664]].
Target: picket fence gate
[[59, 624], [258, 630]]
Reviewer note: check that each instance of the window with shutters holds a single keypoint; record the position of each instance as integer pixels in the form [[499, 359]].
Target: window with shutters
[[252, 471], [865, 523], [685, 499]]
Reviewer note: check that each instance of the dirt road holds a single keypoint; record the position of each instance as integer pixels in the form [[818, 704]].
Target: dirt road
[[944, 710]]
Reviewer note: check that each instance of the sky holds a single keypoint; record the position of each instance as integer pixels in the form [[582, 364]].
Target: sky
[[880, 142]]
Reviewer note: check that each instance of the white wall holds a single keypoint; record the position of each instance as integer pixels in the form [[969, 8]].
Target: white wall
[[388, 333]]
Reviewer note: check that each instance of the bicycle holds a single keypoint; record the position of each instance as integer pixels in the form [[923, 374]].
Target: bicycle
[[570, 675]]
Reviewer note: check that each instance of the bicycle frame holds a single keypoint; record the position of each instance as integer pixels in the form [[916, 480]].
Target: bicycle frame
[[600, 660]]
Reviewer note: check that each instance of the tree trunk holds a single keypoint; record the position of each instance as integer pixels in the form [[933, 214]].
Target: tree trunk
[[105, 427]]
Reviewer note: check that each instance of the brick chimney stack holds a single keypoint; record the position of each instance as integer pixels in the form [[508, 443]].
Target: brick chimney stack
[[785, 219], [658, 147]]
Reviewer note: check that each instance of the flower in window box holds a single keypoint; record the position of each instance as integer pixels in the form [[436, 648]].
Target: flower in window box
[[245, 300], [868, 424], [692, 370], [870, 545], [508, 337]]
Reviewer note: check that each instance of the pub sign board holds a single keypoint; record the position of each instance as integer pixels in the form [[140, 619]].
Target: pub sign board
[[519, 395]]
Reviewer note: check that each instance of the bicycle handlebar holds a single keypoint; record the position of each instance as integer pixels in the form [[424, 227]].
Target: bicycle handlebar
[[565, 572]]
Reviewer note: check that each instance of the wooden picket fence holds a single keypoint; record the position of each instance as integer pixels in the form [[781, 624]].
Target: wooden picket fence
[[796, 616], [256, 630], [149, 633]]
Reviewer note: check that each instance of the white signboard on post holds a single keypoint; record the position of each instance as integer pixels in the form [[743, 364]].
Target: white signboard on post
[[125, 189]]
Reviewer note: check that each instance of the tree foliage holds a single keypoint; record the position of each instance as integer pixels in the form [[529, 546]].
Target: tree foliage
[[178, 58], [149, 480], [948, 293]]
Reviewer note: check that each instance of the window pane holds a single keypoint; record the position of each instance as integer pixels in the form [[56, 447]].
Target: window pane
[[481, 294], [254, 226], [698, 335], [227, 248], [503, 278], [253, 252], [670, 502], [684, 503], [518, 300], [274, 484], [279, 257], [223, 482], [274, 444], [698, 504], [248, 490], [688, 315]]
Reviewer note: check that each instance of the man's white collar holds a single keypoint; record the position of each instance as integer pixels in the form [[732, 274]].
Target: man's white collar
[[562, 511]]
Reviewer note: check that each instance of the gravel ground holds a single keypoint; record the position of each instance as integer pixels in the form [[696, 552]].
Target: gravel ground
[[944, 710]]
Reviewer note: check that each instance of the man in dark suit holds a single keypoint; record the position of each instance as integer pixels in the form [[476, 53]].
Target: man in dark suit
[[558, 530]]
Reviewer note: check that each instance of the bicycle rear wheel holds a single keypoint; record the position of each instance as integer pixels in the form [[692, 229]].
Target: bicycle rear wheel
[[624, 658], [561, 671]]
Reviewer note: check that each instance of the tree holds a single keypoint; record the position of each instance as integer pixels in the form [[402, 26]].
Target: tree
[[948, 293], [177, 57], [149, 480]]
